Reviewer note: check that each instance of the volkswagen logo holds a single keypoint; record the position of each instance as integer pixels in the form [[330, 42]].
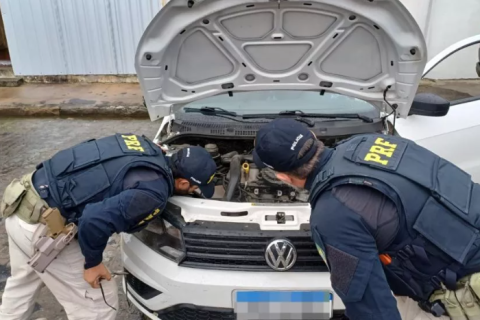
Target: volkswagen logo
[[281, 255]]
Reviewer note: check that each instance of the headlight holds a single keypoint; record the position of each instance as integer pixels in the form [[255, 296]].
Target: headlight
[[164, 238]]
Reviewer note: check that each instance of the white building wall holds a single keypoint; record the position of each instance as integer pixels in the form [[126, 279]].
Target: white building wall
[[420, 10], [445, 22], [62, 37], [75, 37]]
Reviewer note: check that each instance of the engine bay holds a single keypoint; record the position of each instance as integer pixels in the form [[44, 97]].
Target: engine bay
[[237, 178]]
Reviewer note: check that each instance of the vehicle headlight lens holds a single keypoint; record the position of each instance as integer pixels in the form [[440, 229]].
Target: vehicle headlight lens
[[164, 238]]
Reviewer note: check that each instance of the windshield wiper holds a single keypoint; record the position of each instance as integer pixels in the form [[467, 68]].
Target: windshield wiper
[[218, 112], [211, 110], [301, 114], [309, 122], [222, 113], [291, 113]]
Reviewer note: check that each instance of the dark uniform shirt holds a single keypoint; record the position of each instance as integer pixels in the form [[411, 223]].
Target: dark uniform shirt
[[356, 223], [145, 191]]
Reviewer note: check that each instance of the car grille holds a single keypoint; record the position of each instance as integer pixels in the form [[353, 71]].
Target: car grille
[[187, 312], [141, 288], [217, 246]]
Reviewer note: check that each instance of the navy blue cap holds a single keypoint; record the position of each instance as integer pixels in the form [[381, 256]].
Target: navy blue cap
[[278, 144], [197, 166]]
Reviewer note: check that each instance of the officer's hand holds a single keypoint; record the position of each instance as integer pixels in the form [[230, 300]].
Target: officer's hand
[[94, 275], [161, 147]]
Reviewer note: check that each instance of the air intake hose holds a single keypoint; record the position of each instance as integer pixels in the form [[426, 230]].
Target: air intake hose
[[235, 176]]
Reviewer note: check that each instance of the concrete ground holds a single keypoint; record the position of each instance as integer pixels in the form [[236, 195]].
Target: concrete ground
[[73, 99], [451, 89], [26, 142], [73, 93]]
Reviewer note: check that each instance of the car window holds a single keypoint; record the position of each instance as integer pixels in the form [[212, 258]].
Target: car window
[[456, 78], [256, 102]]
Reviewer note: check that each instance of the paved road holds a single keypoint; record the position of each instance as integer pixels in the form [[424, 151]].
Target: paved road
[[26, 142]]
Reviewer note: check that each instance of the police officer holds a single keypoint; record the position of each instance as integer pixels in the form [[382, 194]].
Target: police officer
[[387, 215], [110, 185]]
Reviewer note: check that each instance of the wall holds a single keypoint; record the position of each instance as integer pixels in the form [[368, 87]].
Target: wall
[[60, 37], [420, 10], [82, 37], [451, 21], [445, 22]]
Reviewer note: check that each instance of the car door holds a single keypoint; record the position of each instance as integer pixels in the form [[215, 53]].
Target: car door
[[454, 75]]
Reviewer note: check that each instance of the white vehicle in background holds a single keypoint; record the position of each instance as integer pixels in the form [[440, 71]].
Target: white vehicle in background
[[215, 71], [454, 136]]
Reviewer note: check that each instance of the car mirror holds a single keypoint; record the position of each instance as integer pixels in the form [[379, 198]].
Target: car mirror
[[431, 105]]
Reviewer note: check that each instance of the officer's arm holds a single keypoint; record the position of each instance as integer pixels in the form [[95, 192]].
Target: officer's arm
[[352, 256], [118, 214]]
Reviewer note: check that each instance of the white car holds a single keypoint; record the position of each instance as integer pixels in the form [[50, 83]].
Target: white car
[[215, 71]]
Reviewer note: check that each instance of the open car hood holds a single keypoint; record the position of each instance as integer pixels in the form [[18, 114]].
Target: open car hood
[[197, 49]]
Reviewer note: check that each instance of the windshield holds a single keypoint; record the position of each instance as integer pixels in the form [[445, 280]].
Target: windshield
[[257, 102]]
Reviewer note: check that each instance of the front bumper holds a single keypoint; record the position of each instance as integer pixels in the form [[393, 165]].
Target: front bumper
[[186, 292]]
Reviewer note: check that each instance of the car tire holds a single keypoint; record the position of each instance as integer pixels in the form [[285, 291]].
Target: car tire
[[478, 68]]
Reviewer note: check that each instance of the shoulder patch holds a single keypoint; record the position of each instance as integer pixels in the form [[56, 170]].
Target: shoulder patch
[[322, 253], [141, 205], [381, 153], [131, 143], [343, 267], [151, 216]]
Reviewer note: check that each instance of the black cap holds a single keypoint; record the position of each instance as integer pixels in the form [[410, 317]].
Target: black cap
[[278, 144], [197, 166]]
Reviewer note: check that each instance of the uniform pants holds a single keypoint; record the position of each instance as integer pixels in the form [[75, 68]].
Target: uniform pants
[[64, 278], [409, 310]]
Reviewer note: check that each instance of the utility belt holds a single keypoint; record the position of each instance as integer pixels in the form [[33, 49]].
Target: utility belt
[[22, 199], [460, 300], [462, 303]]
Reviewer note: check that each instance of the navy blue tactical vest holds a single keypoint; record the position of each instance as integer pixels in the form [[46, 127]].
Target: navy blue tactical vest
[[439, 209], [94, 170]]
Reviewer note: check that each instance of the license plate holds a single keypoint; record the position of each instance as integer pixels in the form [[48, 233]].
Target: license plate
[[255, 305]]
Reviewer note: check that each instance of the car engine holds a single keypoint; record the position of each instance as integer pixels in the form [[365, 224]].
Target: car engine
[[246, 183], [239, 180]]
